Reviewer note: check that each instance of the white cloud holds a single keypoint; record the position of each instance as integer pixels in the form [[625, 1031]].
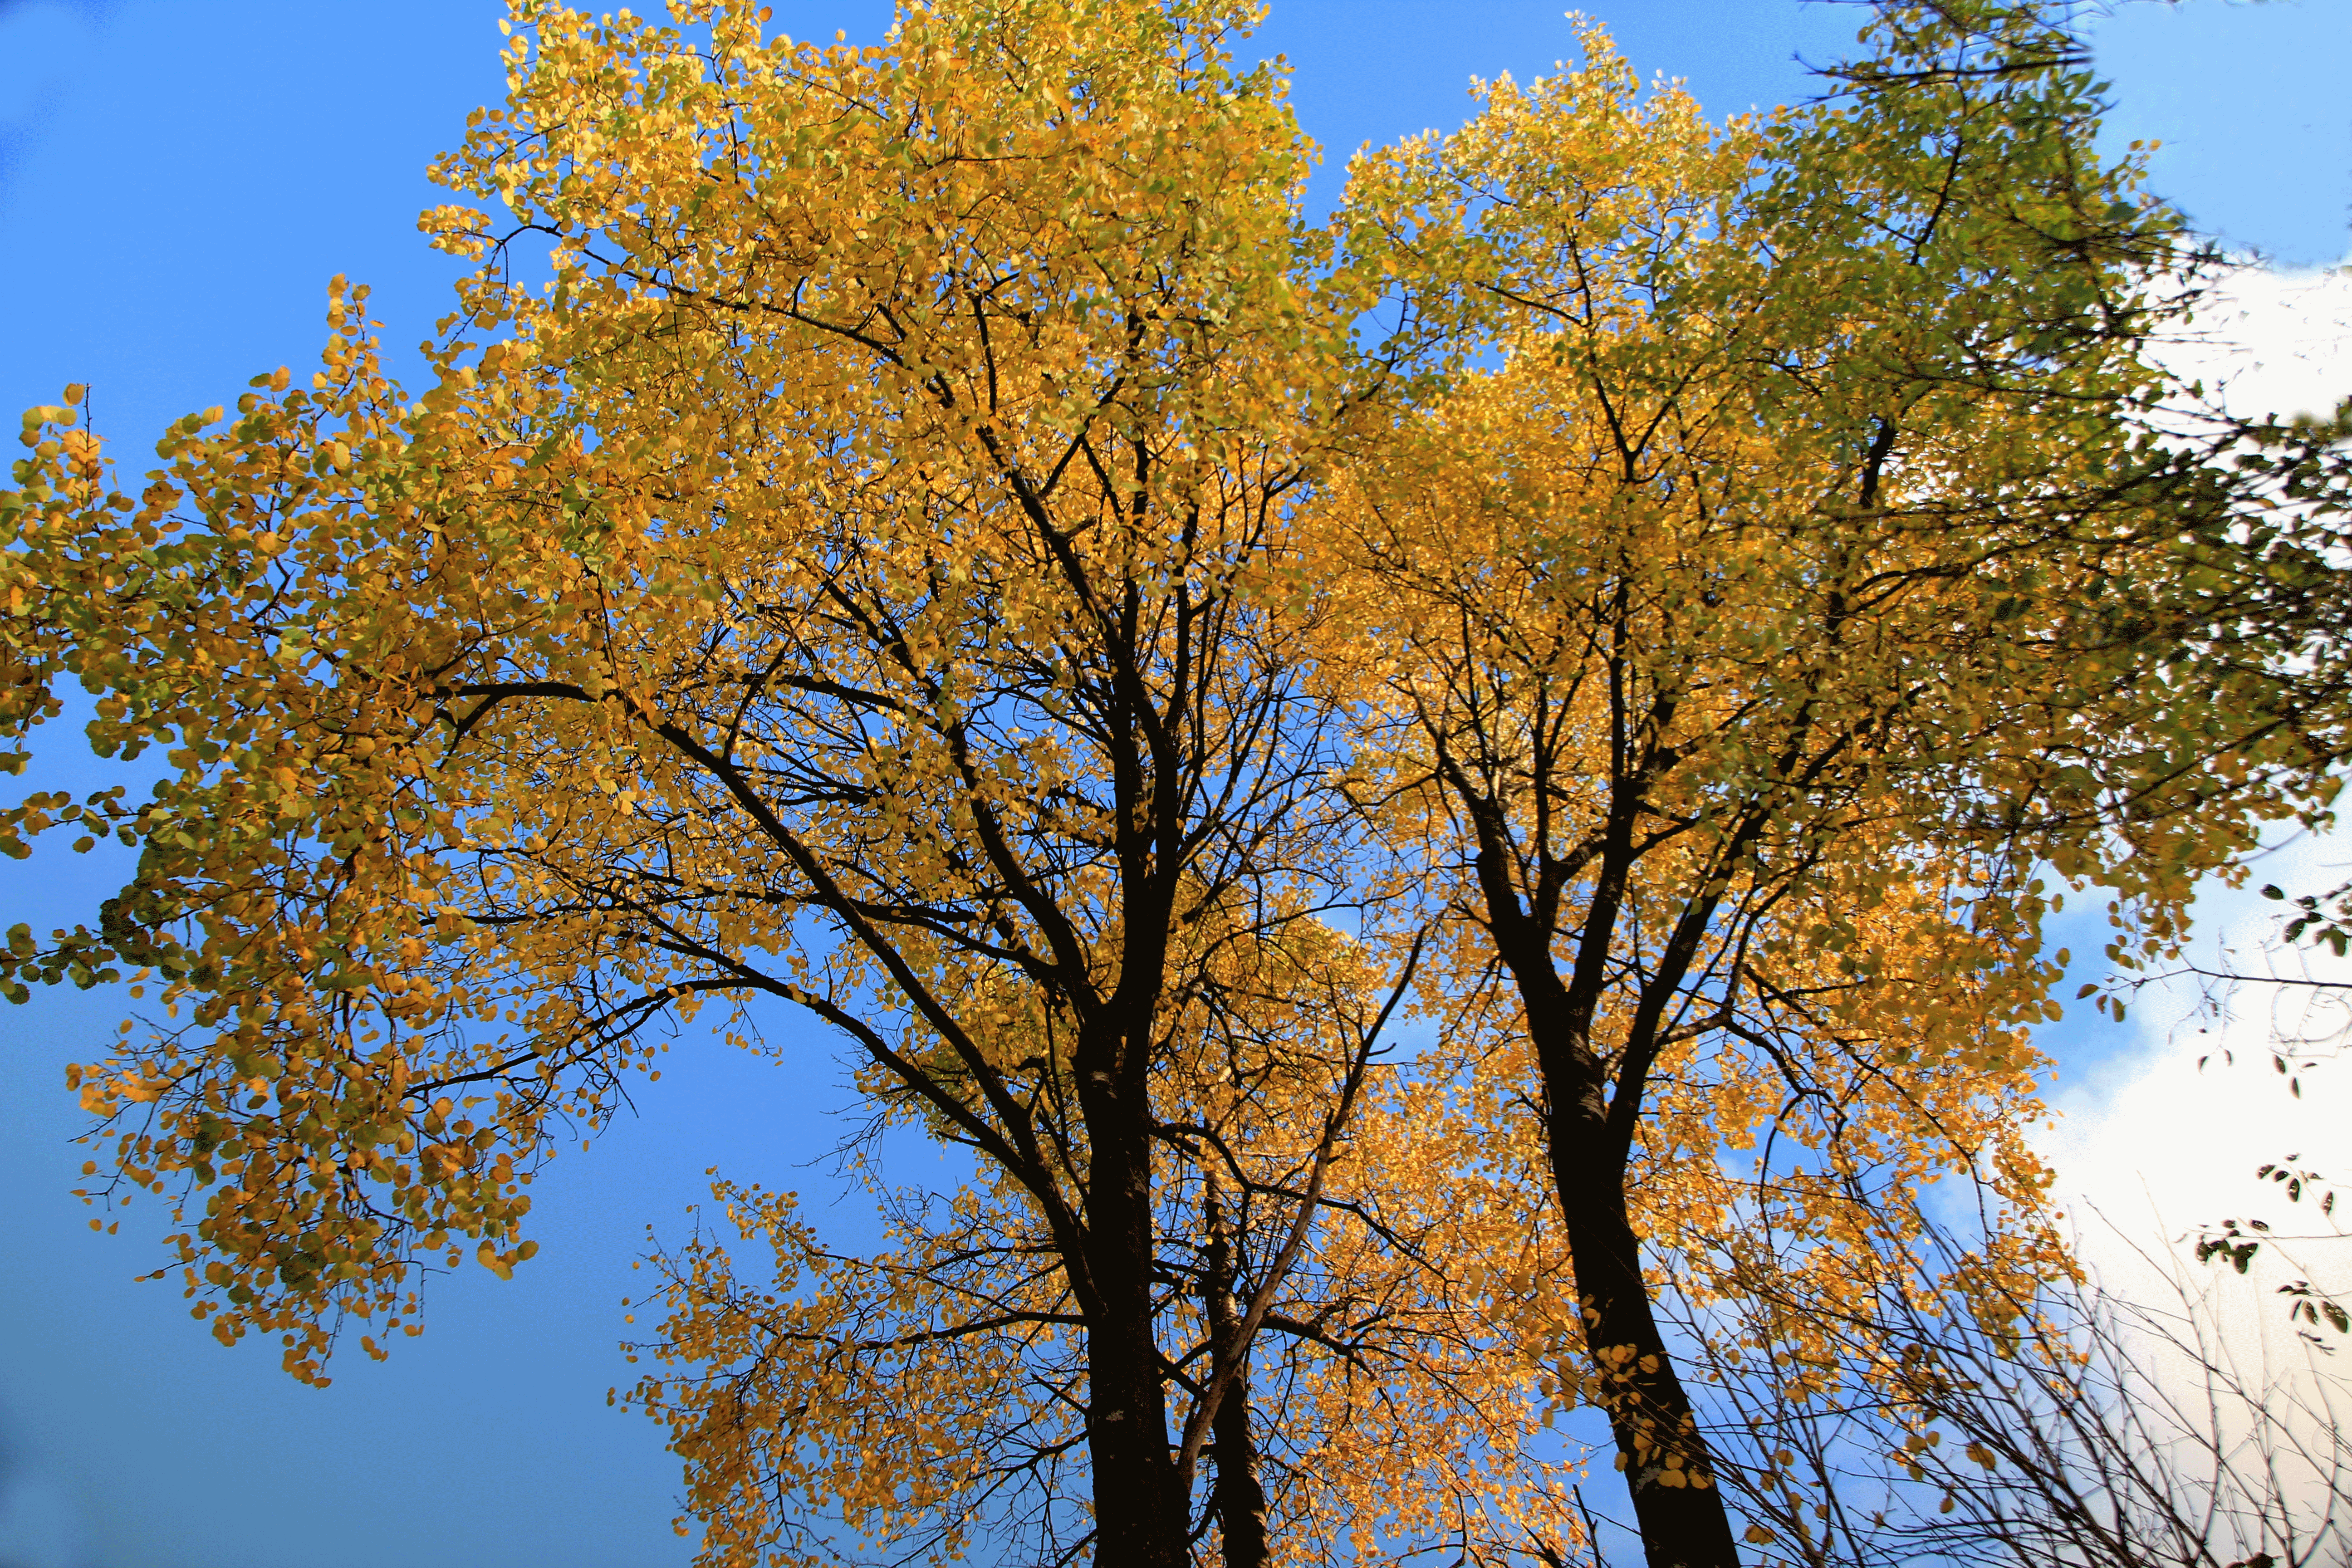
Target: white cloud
[[2271, 341], [2163, 1142], [2149, 1137], [2167, 1135], [2164, 1137]]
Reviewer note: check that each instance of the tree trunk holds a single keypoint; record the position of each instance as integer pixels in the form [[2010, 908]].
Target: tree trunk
[[1239, 1500], [1679, 1508], [1139, 1519], [1681, 1511]]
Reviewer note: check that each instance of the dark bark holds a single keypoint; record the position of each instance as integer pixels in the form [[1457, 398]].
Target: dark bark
[[1681, 1512], [1139, 1508], [1588, 1141], [1139, 1519], [1239, 1500], [1141, 1516]]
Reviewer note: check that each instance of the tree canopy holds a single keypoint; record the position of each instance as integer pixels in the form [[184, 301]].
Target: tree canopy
[[1657, 607]]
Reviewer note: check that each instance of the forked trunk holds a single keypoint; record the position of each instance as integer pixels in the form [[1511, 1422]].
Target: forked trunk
[[1664, 1458]]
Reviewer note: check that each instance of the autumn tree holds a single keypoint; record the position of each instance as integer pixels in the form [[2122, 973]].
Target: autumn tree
[[865, 581], [1802, 588], [1370, 1394], [951, 553]]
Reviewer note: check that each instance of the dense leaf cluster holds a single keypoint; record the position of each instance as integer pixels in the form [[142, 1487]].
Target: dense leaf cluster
[[1659, 607]]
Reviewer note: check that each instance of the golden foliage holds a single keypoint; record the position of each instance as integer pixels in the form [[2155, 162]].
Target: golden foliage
[[947, 553]]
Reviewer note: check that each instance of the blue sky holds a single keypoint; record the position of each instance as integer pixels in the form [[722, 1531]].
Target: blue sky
[[177, 182]]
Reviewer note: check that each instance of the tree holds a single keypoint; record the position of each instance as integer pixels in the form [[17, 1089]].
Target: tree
[[866, 582], [1807, 551], [1377, 1400], [940, 558]]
